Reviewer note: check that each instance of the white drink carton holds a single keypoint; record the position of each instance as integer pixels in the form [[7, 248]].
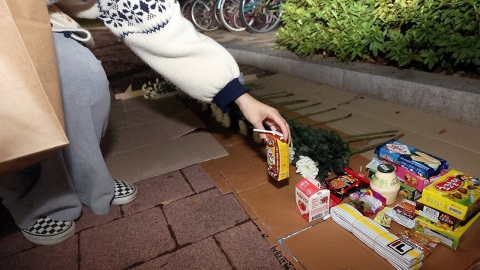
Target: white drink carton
[[312, 200]]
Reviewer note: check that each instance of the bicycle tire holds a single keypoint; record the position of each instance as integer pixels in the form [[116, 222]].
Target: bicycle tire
[[230, 15], [260, 16], [216, 13], [202, 15], [187, 9]]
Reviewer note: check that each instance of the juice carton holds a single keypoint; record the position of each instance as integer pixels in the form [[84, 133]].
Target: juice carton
[[312, 200], [278, 157], [454, 193]]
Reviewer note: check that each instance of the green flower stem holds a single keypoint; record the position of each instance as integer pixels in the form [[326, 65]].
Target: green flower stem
[[371, 133], [253, 86], [333, 120], [314, 113], [286, 103], [270, 94], [302, 107], [371, 147], [368, 138], [277, 96]]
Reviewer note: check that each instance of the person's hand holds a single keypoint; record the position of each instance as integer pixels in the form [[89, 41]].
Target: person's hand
[[258, 113]]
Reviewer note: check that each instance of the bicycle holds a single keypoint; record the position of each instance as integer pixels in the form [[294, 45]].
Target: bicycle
[[230, 15], [260, 16], [203, 15]]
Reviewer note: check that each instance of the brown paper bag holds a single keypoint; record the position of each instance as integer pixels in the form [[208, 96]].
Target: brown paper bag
[[31, 116]]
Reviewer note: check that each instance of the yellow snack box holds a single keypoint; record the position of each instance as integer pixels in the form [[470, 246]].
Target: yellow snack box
[[454, 193]]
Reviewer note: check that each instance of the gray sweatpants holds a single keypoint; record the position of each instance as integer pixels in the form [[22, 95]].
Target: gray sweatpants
[[77, 174]]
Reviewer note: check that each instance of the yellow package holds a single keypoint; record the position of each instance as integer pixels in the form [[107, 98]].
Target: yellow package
[[278, 157]]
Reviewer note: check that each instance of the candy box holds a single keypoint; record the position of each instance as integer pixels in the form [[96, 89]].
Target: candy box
[[312, 200], [438, 218], [454, 193], [278, 157], [408, 192], [450, 239], [412, 159]]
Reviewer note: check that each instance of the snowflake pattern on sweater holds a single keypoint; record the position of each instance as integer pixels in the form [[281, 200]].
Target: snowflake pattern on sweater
[[125, 17]]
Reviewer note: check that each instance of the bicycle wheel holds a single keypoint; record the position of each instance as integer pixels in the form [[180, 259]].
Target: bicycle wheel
[[216, 13], [202, 15], [187, 9], [260, 16], [230, 15]]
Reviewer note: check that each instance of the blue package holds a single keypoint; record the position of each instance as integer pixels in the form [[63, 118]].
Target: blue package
[[412, 159]]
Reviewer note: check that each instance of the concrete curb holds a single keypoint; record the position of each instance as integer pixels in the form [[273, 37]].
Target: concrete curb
[[457, 99]]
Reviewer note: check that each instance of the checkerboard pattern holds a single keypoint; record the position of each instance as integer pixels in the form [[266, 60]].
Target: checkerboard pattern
[[48, 227], [123, 189]]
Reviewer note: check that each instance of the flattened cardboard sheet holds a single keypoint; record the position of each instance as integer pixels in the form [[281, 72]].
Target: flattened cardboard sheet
[[323, 245], [146, 139]]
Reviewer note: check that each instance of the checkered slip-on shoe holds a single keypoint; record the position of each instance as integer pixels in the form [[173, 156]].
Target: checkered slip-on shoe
[[47, 231], [124, 192]]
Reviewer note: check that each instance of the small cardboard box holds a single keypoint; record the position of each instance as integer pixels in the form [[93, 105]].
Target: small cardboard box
[[438, 218], [278, 157], [408, 192], [312, 200], [412, 159], [454, 193], [450, 239]]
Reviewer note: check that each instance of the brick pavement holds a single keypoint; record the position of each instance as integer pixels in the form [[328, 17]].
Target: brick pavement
[[180, 220]]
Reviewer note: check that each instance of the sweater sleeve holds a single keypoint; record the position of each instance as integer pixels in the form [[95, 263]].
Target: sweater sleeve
[[159, 34]]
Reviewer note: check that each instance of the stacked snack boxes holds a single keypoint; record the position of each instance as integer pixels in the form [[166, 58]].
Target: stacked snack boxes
[[414, 167], [449, 207]]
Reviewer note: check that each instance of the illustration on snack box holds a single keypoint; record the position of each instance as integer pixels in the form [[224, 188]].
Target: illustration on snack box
[[277, 157]]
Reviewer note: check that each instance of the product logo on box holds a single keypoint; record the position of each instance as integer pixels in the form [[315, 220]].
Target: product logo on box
[[450, 184], [400, 247], [270, 156], [398, 148]]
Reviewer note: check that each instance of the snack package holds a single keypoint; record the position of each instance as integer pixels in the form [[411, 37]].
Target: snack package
[[436, 217], [278, 157], [403, 213], [382, 218], [343, 185], [422, 241], [455, 193], [366, 201], [412, 159]]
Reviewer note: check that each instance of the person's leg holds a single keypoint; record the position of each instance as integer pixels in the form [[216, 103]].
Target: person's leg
[[43, 189], [86, 103]]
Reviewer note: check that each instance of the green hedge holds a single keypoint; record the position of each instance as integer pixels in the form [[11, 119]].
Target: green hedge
[[429, 33]]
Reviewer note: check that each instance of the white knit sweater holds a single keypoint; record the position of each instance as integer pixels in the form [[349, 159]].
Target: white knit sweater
[[158, 33]]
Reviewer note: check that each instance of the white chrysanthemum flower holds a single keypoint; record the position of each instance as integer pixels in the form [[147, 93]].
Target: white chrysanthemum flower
[[292, 153], [256, 137], [214, 108], [306, 167], [226, 121], [243, 127]]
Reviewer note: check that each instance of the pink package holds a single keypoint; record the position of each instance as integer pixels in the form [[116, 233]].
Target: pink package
[[415, 180]]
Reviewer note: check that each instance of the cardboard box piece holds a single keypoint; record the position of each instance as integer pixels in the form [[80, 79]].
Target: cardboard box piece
[[312, 200]]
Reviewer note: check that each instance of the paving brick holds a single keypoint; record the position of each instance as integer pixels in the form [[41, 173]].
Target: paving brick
[[89, 219], [247, 249], [10, 233], [203, 255], [151, 192], [124, 242], [61, 256], [203, 215], [198, 178]]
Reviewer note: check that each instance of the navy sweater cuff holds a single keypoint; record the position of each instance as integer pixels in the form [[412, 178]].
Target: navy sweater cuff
[[233, 90]]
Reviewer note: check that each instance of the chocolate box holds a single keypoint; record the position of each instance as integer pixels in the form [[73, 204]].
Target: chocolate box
[[455, 193], [412, 159], [450, 239]]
